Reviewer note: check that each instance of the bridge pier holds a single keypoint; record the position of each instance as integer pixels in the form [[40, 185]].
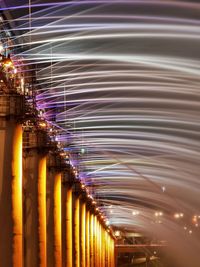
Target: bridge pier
[[34, 197], [47, 220], [76, 231], [92, 240], [54, 214], [87, 237], [11, 110], [69, 243], [83, 233]]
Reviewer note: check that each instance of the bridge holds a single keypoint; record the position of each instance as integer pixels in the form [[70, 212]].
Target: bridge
[[99, 133]]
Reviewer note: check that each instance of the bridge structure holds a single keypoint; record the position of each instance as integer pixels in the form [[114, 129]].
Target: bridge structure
[[48, 218], [99, 133]]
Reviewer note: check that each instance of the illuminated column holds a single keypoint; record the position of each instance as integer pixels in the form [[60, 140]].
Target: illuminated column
[[106, 249], [97, 244], [54, 211], [103, 246], [113, 253], [95, 241], [10, 190], [87, 238], [82, 234], [109, 251], [100, 245], [11, 233], [57, 221], [76, 230], [69, 227], [34, 199], [63, 220], [92, 240]]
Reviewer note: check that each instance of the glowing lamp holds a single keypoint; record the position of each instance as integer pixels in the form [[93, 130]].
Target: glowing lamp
[[7, 62], [42, 124], [107, 223], [117, 233], [82, 186]]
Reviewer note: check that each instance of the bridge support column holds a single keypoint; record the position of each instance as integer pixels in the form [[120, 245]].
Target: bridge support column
[[100, 246], [54, 231], [97, 244], [87, 236], [76, 231], [11, 194], [83, 234], [35, 198], [57, 222], [92, 240], [107, 249], [103, 246], [54, 211], [63, 221], [112, 251], [69, 244], [95, 241]]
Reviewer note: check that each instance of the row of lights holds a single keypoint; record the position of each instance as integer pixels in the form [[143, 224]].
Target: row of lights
[[42, 123], [8, 65]]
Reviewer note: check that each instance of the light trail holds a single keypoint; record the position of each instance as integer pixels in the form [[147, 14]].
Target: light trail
[[123, 79]]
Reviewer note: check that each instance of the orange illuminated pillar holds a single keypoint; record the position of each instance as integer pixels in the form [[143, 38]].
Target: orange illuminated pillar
[[92, 240], [103, 246], [57, 222], [106, 250], [87, 238], [34, 199], [11, 195], [42, 211], [82, 234], [76, 228], [95, 241], [54, 211], [98, 244], [113, 253], [69, 227], [63, 219]]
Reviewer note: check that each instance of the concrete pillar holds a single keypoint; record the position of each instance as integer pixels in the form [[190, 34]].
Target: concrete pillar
[[95, 241], [63, 223], [76, 231], [50, 216], [57, 221], [92, 240], [83, 234], [106, 250], [111, 253], [42, 211], [98, 244], [103, 246], [54, 211], [69, 227], [34, 208], [87, 236], [10, 193]]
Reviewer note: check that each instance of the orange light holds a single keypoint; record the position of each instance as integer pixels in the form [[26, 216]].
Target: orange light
[[42, 124], [17, 195], [57, 220], [7, 62]]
